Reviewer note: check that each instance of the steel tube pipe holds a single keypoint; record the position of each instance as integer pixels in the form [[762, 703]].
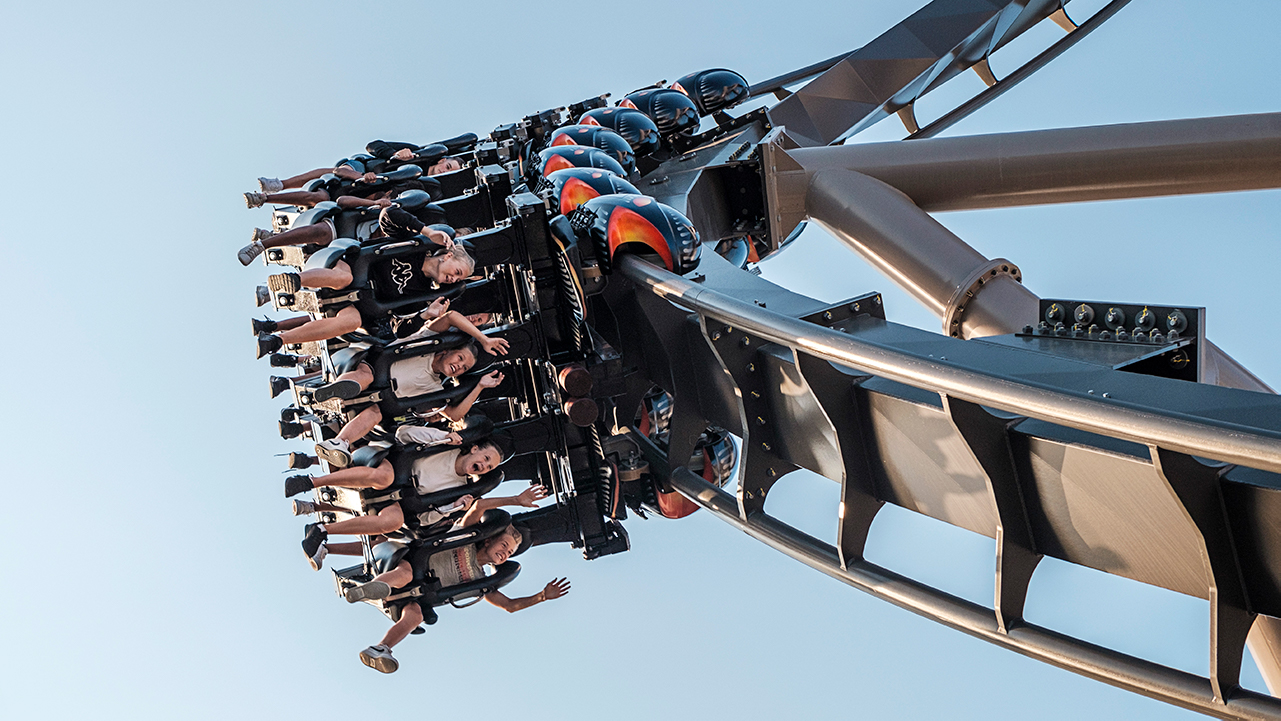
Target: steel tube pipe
[[902, 241], [1109, 162], [1253, 447], [1111, 667]]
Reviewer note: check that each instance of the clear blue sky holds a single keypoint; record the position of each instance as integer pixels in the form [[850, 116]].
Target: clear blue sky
[[153, 568]]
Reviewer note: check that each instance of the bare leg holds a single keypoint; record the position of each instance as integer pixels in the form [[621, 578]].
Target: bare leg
[[364, 422], [410, 617], [363, 375], [319, 234], [302, 198], [335, 278], [347, 321], [291, 323], [352, 548], [342, 171], [386, 521], [358, 477], [399, 577]]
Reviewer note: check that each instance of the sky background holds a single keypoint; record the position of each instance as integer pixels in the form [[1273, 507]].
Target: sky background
[[153, 569]]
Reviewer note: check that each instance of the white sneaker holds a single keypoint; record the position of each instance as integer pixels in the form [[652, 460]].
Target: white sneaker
[[379, 658], [304, 508], [335, 451], [372, 591], [255, 200], [317, 559], [261, 234], [270, 185], [249, 252]]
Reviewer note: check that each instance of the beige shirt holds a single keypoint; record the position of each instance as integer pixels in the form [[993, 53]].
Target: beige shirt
[[457, 566], [436, 472], [415, 377]]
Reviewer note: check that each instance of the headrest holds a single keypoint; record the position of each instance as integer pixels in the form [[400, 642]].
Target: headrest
[[431, 154], [459, 143], [713, 90], [404, 172], [671, 110], [446, 229]]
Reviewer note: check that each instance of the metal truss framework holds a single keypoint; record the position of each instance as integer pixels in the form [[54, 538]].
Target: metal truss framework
[[1169, 483]]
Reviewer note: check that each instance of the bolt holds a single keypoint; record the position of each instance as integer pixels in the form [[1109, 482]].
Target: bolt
[[772, 473], [765, 446], [751, 367], [716, 335], [756, 394], [827, 315], [1107, 395], [856, 307], [746, 341]]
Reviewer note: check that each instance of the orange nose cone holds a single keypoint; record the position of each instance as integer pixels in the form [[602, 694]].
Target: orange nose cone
[[681, 88], [563, 139], [589, 120], [555, 163], [627, 226], [625, 103], [573, 194]]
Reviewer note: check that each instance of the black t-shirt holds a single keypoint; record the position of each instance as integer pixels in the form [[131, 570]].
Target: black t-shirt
[[396, 277]]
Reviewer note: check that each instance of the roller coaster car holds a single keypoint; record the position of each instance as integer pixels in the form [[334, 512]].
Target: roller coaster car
[[384, 180], [640, 132], [671, 110], [483, 204], [385, 278], [637, 224], [713, 90], [425, 589], [595, 136], [561, 157], [714, 458], [423, 511], [572, 187]]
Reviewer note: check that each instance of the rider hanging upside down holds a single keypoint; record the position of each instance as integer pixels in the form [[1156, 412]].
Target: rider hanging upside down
[[449, 568], [452, 264]]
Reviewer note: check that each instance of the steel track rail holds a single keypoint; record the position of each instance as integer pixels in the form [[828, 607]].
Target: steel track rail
[[1111, 667], [1219, 440]]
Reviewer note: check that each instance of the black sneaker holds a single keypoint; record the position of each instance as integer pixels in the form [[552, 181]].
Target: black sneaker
[[283, 360], [278, 385], [302, 460], [346, 390], [291, 430], [262, 296], [297, 484], [268, 343], [313, 539], [266, 325]]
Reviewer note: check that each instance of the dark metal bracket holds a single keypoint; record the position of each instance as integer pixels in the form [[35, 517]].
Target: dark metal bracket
[[987, 437], [1196, 487]]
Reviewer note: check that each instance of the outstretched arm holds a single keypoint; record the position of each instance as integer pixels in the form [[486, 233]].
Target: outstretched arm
[[528, 498], [349, 202], [456, 320], [555, 588], [457, 411]]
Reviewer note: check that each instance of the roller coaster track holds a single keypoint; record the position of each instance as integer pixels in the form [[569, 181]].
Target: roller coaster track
[[1003, 425], [903, 416]]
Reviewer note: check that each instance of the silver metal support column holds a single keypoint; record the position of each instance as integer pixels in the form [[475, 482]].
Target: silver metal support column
[[929, 261], [1109, 162]]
